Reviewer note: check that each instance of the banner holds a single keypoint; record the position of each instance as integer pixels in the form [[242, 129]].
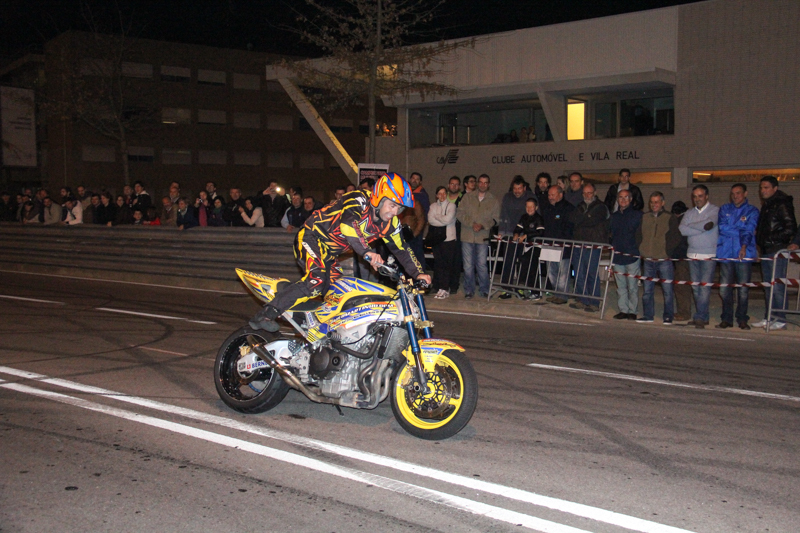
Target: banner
[[18, 131]]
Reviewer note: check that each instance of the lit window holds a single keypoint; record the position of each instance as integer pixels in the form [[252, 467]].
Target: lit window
[[176, 115], [576, 120]]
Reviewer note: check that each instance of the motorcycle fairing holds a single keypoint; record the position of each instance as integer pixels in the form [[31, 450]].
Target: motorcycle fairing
[[263, 287], [345, 288], [431, 350], [355, 317]]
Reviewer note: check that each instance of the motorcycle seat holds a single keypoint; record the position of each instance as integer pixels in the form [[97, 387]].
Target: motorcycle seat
[[308, 306]]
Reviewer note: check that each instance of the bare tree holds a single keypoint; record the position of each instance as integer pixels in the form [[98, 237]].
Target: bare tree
[[100, 85], [367, 54]]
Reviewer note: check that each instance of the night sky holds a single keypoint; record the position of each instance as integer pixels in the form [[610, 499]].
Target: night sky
[[258, 25]]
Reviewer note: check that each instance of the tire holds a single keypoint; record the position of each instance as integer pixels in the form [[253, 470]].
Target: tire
[[449, 406], [257, 393]]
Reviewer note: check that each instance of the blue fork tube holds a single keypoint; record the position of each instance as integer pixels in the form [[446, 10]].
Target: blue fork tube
[[423, 315], [412, 336]]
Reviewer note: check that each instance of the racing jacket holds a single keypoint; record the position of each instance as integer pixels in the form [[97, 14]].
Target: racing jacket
[[352, 223]]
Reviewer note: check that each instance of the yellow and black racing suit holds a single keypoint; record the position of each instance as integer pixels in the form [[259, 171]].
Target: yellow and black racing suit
[[348, 223]]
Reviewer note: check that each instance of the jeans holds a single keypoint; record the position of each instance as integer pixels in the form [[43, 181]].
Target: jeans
[[661, 270], [474, 255], [778, 291], [702, 271], [734, 272], [558, 275], [627, 287], [585, 263]]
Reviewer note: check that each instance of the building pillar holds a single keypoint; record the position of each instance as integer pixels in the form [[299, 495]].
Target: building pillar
[[555, 109], [681, 178]]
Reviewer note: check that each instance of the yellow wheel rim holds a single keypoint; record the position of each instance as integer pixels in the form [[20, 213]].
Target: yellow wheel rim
[[442, 401]]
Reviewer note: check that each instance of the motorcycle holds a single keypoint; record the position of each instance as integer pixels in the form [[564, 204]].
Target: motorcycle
[[362, 343]]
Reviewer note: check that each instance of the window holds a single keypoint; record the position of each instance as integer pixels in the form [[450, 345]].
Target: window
[[99, 154], [176, 157], [782, 174], [341, 125], [141, 154], [280, 122], [211, 116], [605, 120], [480, 123], [247, 158], [576, 120], [280, 160], [176, 74], [176, 115], [212, 157], [312, 161], [246, 81], [212, 77], [247, 120], [647, 116], [137, 70]]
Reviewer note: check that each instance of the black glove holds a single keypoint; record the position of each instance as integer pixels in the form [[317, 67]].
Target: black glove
[[708, 226]]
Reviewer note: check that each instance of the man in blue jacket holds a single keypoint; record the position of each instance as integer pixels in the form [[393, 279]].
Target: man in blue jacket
[[625, 227], [736, 242]]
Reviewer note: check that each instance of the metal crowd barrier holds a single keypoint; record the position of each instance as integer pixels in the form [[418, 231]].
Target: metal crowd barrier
[[547, 265], [781, 265]]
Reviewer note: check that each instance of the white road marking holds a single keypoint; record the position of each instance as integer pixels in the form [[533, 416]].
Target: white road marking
[[577, 509], [122, 282], [509, 317], [30, 299], [151, 315], [628, 377], [736, 339], [393, 485]]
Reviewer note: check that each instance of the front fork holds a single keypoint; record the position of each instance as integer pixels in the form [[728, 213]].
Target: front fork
[[408, 317]]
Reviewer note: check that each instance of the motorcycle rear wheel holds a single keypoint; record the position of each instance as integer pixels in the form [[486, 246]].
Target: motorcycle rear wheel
[[256, 393], [446, 408]]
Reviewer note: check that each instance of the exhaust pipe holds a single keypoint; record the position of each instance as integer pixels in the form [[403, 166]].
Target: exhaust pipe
[[287, 376]]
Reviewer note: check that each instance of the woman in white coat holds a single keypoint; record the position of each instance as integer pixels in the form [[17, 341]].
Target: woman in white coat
[[442, 239], [253, 216]]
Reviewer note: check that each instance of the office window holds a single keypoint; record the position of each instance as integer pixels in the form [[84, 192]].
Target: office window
[[177, 74], [141, 154], [647, 116], [137, 70], [280, 160], [176, 157], [280, 122], [99, 153], [176, 115], [212, 157], [605, 120], [312, 161], [211, 116], [246, 81], [576, 120], [247, 158], [212, 77], [247, 120]]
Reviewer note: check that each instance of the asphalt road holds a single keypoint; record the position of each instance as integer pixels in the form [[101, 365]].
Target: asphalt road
[[109, 421]]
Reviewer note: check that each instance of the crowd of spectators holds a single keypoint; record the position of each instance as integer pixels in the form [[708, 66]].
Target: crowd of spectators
[[458, 225]]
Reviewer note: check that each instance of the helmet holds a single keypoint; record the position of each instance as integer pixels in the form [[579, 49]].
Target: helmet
[[394, 187]]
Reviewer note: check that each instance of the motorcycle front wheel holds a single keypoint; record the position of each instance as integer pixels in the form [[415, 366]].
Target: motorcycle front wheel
[[256, 392], [447, 406]]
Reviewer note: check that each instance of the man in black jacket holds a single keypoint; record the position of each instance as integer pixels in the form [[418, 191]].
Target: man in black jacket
[[624, 183], [231, 215], [591, 221], [273, 204], [557, 226], [776, 228]]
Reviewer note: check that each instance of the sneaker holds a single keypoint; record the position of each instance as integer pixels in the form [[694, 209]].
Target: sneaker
[[777, 324], [667, 322], [445, 295], [760, 324], [441, 294], [505, 296], [468, 296], [644, 320], [558, 301], [534, 297], [621, 316]]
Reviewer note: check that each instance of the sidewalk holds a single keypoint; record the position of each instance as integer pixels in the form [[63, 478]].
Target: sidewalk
[[516, 308]]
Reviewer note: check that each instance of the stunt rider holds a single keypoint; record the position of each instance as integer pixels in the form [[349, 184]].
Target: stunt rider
[[353, 221]]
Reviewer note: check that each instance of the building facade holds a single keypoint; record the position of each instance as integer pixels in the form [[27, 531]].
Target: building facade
[[703, 92]]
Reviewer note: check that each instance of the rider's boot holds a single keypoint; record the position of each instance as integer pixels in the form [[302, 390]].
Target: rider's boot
[[265, 319]]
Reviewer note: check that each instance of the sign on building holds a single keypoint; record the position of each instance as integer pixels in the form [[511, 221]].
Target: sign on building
[[371, 170], [18, 132]]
